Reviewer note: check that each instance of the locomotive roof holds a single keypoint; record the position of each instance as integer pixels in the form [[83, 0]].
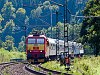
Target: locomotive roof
[[39, 36]]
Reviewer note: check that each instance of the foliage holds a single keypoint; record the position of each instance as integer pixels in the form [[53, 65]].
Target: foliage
[[9, 43], [21, 11], [5, 55], [0, 43], [39, 10], [55, 66], [21, 46], [87, 65], [8, 10], [76, 28], [90, 68], [21, 17], [1, 18], [90, 31], [36, 12], [16, 14]]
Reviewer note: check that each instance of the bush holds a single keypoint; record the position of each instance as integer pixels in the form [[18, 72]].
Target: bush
[[5, 55], [85, 66]]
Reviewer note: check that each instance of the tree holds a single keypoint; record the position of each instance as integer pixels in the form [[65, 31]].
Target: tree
[[8, 11], [1, 19], [36, 12], [20, 17], [20, 14], [39, 10], [10, 38], [9, 43], [1, 43], [9, 24], [23, 38], [21, 46], [90, 31]]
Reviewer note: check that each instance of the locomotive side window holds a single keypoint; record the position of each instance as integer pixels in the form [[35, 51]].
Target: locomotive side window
[[40, 41], [31, 41]]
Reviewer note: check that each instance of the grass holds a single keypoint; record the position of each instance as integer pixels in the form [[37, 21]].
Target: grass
[[84, 66], [36, 68], [5, 55], [54, 65], [88, 66]]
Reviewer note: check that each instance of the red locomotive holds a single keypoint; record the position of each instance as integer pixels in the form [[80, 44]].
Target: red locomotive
[[36, 48]]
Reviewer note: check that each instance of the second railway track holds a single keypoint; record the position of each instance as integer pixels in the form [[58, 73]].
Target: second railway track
[[38, 70]]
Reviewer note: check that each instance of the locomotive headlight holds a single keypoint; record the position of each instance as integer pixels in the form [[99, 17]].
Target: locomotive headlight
[[40, 51], [30, 51]]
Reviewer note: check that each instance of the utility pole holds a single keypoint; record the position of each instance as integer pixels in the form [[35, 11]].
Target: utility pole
[[66, 47], [57, 35], [51, 23]]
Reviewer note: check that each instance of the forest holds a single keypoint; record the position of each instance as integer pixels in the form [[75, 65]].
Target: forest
[[18, 18]]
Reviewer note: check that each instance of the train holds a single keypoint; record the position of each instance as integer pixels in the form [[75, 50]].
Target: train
[[40, 48]]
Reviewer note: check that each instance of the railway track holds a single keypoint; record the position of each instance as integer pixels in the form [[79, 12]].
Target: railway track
[[15, 68], [38, 70], [4, 65], [19, 68]]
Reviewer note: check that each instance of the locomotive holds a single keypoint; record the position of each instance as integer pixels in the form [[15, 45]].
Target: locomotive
[[39, 48]]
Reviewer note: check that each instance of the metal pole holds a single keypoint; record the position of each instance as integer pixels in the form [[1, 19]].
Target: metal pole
[[51, 23], [64, 26], [67, 27], [66, 47], [57, 35]]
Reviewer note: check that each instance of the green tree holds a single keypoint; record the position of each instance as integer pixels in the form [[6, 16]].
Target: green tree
[[1, 19], [90, 31], [21, 18], [1, 43], [36, 12], [10, 38], [39, 10], [8, 11], [23, 38], [21, 46], [9, 43], [9, 24], [4, 45], [20, 14]]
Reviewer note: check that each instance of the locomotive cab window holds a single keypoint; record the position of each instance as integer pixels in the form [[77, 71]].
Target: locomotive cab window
[[31, 41], [40, 41]]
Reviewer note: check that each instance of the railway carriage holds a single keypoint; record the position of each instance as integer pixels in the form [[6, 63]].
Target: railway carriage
[[39, 48]]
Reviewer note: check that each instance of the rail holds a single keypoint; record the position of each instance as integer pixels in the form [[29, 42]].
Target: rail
[[43, 71]]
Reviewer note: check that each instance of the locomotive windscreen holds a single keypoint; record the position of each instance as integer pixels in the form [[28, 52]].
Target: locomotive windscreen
[[31, 41], [40, 41], [35, 43]]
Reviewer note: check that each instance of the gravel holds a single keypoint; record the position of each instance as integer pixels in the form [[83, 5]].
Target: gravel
[[16, 69]]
